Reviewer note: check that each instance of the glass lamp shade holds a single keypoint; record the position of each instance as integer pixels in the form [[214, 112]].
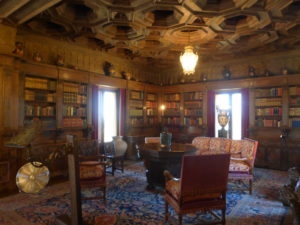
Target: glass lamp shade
[[188, 60]]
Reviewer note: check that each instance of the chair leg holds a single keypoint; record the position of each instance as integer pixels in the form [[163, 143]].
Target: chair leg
[[223, 216], [166, 211], [250, 187], [104, 195], [180, 219]]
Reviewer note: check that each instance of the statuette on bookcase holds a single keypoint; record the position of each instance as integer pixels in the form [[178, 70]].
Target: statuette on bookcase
[[251, 71], [37, 57], [285, 71], [19, 49], [60, 61]]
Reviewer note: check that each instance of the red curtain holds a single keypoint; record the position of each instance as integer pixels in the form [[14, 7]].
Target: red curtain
[[245, 112], [122, 111], [211, 113], [95, 118]]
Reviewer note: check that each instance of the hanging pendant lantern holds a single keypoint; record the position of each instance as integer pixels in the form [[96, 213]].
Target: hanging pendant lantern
[[188, 60]]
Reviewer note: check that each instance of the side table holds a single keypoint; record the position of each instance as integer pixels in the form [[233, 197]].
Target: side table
[[117, 163]]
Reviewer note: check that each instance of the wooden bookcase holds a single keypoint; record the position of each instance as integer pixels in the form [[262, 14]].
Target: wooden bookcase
[[136, 109], [40, 101], [193, 109], [268, 107], [151, 114], [74, 109], [172, 114], [294, 107]]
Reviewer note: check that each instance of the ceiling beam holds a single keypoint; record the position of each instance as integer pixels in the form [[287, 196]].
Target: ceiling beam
[[7, 7], [32, 9]]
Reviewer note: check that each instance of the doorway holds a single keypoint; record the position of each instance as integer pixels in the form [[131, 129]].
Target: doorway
[[230, 103], [108, 115]]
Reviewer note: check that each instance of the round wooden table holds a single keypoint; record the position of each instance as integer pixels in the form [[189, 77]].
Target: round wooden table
[[157, 159]]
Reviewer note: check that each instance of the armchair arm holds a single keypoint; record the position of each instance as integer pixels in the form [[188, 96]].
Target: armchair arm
[[169, 176]]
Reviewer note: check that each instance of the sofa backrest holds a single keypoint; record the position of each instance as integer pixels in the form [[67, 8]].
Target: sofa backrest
[[245, 148]]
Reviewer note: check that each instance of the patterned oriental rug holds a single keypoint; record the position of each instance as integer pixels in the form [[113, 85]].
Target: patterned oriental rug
[[128, 203]]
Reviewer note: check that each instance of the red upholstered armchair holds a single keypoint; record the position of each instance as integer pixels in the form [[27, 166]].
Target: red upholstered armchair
[[202, 186]]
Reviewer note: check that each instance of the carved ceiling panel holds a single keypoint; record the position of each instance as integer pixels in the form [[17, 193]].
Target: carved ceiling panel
[[160, 29]]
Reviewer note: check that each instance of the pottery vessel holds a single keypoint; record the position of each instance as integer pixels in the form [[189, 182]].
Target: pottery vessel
[[120, 145]]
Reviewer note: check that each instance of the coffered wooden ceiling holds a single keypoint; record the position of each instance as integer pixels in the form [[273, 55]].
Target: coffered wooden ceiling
[[160, 29]]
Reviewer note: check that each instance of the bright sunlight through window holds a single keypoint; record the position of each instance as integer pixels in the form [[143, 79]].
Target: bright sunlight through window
[[109, 115], [232, 102]]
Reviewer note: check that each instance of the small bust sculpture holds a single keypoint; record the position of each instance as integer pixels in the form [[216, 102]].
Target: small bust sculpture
[[226, 73], [60, 60], [19, 49], [37, 57], [251, 71]]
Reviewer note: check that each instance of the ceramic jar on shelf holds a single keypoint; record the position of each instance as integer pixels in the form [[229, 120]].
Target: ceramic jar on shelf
[[120, 145]]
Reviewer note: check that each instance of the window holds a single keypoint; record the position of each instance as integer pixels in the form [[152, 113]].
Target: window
[[231, 102], [108, 123]]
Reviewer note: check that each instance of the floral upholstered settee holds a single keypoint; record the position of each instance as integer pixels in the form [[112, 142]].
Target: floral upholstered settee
[[242, 153]]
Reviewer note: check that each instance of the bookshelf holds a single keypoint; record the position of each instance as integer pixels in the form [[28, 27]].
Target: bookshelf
[[172, 115], [268, 107], [40, 101], [74, 105], [151, 110], [193, 109], [294, 107], [136, 110]]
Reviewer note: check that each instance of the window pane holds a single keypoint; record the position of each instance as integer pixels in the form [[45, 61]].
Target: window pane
[[109, 115], [236, 116]]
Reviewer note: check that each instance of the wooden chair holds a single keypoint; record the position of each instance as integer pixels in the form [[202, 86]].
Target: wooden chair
[[115, 162], [241, 169], [92, 167], [202, 186]]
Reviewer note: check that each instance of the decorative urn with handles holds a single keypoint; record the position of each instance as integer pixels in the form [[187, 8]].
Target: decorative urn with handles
[[120, 145]]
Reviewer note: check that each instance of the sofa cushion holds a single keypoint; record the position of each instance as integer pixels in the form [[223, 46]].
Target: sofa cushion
[[202, 144], [219, 145], [238, 166], [173, 187], [236, 148], [91, 170], [247, 149]]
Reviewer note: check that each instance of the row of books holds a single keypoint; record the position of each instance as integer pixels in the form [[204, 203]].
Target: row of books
[[192, 122], [39, 83], [151, 112], [136, 95], [269, 92], [171, 112], [151, 104], [172, 97], [136, 103], [152, 121], [135, 112], [34, 110], [151, 97], [74, 98], [172, 105], [74, 111], [268, 123], [37, 96], [295, 123], [76, 88], [294, 90], [46, 124], [268, 102], [269, 111], [294, 112], [193, 96], [193, 104], [193, 112], [294, 101], [74, 122], [171, 121], [136, 122]]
